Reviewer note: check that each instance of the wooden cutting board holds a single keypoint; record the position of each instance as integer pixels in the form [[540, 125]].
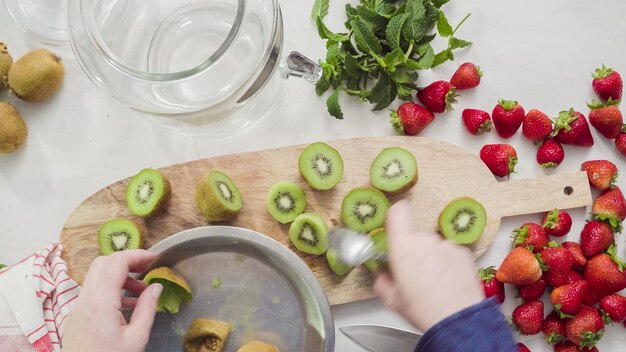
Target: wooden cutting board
[[445, 172]]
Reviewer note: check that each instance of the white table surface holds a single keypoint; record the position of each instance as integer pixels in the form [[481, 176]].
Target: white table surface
[[538, 52]]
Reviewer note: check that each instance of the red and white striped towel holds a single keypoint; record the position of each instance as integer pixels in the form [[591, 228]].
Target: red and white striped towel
[[36, 296]]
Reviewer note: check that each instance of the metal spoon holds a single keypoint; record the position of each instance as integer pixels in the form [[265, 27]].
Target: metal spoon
[[353, 248]]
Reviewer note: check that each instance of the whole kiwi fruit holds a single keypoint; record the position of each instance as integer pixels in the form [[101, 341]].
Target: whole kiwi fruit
[[36, 76], [5, 63], [13, 129]]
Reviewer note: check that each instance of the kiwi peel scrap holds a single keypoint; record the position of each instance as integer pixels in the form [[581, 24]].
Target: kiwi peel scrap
[[309, 234], [148, 192], [258, 346], [463, 220], [206, 335], [176, 290], [379, 237], [335, 264], [394, 170], [13, 130], [285, 201], [217, 196], [118, 235], [321, 166], [36, 76], [364, 209]]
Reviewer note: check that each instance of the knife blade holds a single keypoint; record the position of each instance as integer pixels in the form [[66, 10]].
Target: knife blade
[[379, 338]]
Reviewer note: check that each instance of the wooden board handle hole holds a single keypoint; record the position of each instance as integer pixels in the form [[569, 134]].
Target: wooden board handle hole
[[568, 190]]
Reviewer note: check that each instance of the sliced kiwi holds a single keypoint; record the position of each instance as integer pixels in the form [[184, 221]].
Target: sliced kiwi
[[335, 264], [285, 201], [463, 220], [379, 237], [217, 197], [176, 290], [309, 233], [321, 166], [147, 192], [258, 346], [118, 235], [206, 335], [364, 209], [394, 170]]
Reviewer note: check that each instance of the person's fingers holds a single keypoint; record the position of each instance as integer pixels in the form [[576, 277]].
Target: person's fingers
[[143, 316], [398, 224], [107, 275], [129, 303], [134, 285], [385, 289]]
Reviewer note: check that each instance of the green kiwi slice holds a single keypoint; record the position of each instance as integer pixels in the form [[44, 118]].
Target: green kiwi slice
[[217, 196], [309, 233], [336, 265], [285, 201], [463, 220], [379, 237], [394, 170], [321, 166], [147, 192], [364, 209], [118, 235]]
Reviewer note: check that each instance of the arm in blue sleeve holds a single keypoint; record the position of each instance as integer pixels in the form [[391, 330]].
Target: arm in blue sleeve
[[481, 327]]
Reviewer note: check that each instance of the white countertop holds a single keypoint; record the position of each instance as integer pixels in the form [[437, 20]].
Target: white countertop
[[540, 53]]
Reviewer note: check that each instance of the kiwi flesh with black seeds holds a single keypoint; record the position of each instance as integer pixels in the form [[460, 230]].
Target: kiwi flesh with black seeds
[[147, 192], [335, 264], [309, 233], [118, 235], [394, 170], [285, 201], [379, 238], [321, 166], [364, 209], [463, 220], [217, 196]]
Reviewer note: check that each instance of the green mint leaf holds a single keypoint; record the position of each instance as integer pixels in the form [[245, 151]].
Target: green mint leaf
[[386, 9], [441, 57], [332, 49], [405, 92], [427, 39], [393, 59], [439, 3], [443, 26], [394, 29], [352, 66], [322, 86], [332, 103], [383, 92], [320, 9], [372, 18], [456, 43], [326, 33], [427, 57], [403, 76], [365, 39], [431, 17], [415, 27], [351, 14]]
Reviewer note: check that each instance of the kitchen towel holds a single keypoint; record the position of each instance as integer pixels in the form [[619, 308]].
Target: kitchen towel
[[36, 296]]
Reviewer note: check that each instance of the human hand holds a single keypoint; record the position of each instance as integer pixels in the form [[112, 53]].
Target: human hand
[[96, 322], [430, 278]]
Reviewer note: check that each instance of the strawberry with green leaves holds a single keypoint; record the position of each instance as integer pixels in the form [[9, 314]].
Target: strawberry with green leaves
[[466, 76], [438, 97], [411, 118], [620, 142], [577, 253], [606, 118], [602, 174], [550, 154], [558, 262], [536, 126], [519, 267], [605, 275], [567, 299], [586, 328], [557, 223], [595, 238], [476, 121], [528, 317], [569, 346], [531, 235], [610, 207], [533, 291], [571, 128], [554, 328], [507, 117], [607, 83], [491, 286], [613, 308], [499, 158]]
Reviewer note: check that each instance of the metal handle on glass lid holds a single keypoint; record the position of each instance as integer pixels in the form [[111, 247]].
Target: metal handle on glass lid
[[301, 66]]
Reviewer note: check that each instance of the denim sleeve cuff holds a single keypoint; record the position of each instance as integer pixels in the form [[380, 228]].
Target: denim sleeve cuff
[[481, 327]]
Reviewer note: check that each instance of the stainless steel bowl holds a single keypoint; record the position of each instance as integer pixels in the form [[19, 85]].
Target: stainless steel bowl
[[266, 291]]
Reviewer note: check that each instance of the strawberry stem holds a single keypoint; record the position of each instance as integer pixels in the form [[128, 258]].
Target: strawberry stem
[[396, 122], [602, 72], [507, 104]]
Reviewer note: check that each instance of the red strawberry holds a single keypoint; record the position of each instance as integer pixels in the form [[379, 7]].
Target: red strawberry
[[572, 277], [595, 238], [557, 223], [507, 117], [531, 234], [586, 328], [476, 121], [554, 328], [567, 299], [577, 253], [602, 174], [499, 158], [491, 286], [610, 206], [559, 263], [522, 347], [605, 275], [466, 76], [532, 292], [520, 267], [606, 118], [550, 154], [438, 96], [615, 307], [528, 317], [537, 126], [569, 346], [571, 128], [411, 118], [620, 142], [607, 83]]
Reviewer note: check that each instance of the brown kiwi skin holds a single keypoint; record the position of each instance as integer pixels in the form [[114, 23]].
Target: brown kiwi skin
[[36, 76], [13, 130], [5, 64]]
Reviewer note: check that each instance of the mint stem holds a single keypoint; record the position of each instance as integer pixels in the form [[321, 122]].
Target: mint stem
[[460, 23]]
